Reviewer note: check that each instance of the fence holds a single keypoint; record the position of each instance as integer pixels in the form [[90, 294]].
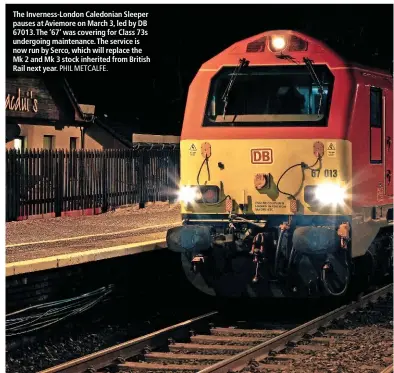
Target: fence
[[40, 182]]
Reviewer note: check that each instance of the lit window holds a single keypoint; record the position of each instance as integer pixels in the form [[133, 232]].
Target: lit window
[[20, 143], [49, 142]]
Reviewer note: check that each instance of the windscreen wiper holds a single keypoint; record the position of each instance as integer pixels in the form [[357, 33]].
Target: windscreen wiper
[[312, 72], [242, 63]]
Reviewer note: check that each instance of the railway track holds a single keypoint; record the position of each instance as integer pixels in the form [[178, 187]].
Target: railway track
[[200, 344]]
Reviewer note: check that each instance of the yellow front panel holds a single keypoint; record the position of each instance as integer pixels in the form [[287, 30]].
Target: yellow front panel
[[236, 178]]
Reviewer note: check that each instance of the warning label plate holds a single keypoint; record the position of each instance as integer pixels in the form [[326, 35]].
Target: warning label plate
[[269, 206], [331, 149], [193, 149]]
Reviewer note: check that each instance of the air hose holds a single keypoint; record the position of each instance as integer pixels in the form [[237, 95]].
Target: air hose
[[277, 252], [304, 167], [290, 258], [292, 252], [347, 280]]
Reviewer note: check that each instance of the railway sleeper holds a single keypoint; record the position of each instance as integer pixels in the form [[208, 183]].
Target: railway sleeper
[[322, 340], [309, 348], [155, 356], [283, 361], [216, 349], [269, 327], [232, 340], [245, 332], [274, 367], [138, 366], [338, 332], [284, 357]]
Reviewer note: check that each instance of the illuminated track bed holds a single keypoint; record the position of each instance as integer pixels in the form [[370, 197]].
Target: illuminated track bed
[[213, 348]]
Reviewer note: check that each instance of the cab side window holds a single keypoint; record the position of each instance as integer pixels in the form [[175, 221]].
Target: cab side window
[[375, 127]]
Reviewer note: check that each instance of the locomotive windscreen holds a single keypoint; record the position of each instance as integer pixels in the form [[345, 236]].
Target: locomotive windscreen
[[270, 96]]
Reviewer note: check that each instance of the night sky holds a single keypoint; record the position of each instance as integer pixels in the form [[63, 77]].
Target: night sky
[[152, 98]]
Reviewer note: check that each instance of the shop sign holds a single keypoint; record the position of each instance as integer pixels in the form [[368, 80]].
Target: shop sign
[[24, 103]]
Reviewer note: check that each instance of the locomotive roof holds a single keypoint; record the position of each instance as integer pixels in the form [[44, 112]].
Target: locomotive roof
[[315, 46]]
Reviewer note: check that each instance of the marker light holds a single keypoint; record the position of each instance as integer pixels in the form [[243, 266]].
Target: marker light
[[278, 43], [188, 194], [330, 194]]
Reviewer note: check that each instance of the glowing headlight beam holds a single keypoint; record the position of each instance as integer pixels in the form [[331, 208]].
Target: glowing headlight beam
[[188, 194], [330, 194], [278, 43]]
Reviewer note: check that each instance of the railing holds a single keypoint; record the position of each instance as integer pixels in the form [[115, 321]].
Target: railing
[[55, 182]]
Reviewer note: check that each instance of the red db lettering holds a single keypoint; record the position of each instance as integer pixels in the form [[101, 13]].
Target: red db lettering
[[262, 156]]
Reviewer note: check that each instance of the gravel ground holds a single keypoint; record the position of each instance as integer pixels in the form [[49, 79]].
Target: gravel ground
[[75, 340], [16, 254], [369, 344], [111, 222], [122, 219], [367, 349], [141, 303]]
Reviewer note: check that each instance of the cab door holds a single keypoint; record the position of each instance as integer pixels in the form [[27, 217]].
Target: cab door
[[388, 141]]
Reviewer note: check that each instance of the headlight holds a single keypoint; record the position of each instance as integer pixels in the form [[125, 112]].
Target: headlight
[[277, 43], [325, 194], [188, 194], [204, 193]]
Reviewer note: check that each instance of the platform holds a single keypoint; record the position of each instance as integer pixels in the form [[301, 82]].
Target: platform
[[51, 243], [57, 261]]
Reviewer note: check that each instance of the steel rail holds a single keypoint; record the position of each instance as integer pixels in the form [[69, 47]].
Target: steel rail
[[389, 369], [127, 349], [242, 359]]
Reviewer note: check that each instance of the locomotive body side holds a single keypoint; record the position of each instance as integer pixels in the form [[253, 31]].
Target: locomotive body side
[[276, 198], [372, 157]]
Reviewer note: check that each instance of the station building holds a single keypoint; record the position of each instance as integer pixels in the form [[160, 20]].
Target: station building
[[44, 113]]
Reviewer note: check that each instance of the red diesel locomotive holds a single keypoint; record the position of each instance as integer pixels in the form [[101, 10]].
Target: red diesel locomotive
[[286, 171]]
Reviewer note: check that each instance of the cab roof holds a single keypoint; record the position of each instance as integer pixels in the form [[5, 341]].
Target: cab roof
[[258, 49]]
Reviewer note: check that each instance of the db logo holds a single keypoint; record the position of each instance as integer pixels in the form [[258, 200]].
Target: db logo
[[262, 156]]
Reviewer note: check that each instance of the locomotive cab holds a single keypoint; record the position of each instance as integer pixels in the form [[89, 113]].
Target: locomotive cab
[[266, 188]]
